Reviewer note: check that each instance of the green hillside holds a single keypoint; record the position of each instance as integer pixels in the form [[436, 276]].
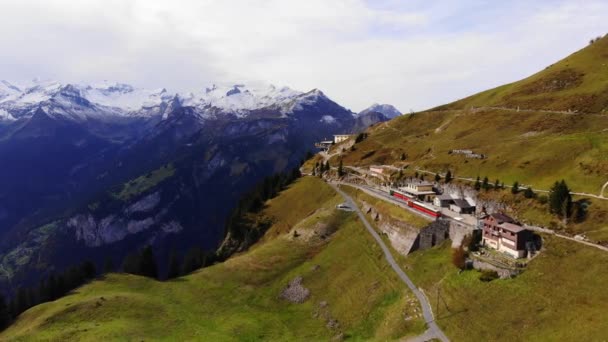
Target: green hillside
[[560, 297], [576, 83], [534, 147], [353, 292]]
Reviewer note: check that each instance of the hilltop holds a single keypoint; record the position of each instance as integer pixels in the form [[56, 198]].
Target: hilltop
[[552, 136], [578, 83]]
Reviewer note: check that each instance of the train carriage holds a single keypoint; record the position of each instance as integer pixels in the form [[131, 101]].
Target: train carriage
[[415, 204]]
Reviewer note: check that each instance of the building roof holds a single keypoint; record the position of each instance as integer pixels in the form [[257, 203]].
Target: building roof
[[420, 183], [416, 192], [500, 217], [512, 227], [462, 203], [445, 197]]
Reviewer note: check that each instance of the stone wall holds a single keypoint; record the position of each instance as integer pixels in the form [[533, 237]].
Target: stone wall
[[433, 234]]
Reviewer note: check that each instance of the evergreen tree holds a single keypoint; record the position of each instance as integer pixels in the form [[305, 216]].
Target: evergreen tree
[[477, 184], [515, 188], [437, 177], [402, 156], [174, 266], [340, 169], [148, 263], [529, 193], [5, 315], [416, 174], [485, 184], [448, 176], [496, 185], [560, 200]]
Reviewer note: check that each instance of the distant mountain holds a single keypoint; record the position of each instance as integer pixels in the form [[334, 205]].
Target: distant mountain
[[107, 168], [374, 114], [385, 109]]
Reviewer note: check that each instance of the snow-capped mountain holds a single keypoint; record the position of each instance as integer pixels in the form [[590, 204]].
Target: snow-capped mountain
[[103, 100], [386, 109], [71, 148]]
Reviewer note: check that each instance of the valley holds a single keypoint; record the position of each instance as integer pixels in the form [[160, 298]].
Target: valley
[[256, 212]]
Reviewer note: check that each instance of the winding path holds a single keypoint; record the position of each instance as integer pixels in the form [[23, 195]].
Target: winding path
[[433, 329], [603, 189]]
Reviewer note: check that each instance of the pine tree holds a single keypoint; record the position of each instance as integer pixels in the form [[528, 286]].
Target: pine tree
[[340, 169], [402, 156], [515, 188], [529, 193], [485, 185], [477, 184], [496, 185], [560, 200], [437, 177], [148, 263], [448, 176], [5, 315]]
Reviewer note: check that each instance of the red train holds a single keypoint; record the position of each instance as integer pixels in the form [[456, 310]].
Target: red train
[[415, 204]]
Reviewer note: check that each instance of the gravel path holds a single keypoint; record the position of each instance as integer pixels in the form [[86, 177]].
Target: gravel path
[[434, 331]]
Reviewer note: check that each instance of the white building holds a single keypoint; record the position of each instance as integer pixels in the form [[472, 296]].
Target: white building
[[338, 138]]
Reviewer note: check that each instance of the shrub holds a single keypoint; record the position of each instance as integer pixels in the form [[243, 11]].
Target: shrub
[[515, 188], [529, 193], [459, 257]]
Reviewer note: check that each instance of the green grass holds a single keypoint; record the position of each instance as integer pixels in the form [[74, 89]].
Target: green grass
[[137, 186], [239, 299], [560, 297], [569, 147]]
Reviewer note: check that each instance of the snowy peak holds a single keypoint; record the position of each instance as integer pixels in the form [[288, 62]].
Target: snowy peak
[[239, 98], [118, 99], [386, 109]]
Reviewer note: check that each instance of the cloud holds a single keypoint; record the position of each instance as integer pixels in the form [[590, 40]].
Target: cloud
[[414, 56]]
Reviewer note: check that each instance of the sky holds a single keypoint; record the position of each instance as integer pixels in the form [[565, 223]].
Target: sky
[[413, 54]]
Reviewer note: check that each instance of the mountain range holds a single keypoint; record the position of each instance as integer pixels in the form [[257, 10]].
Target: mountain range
[[103, 169]]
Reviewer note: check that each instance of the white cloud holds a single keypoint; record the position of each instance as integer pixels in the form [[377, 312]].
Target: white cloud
[[357, 52]]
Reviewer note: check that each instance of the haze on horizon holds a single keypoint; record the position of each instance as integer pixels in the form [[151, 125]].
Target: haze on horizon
[[414, 56]]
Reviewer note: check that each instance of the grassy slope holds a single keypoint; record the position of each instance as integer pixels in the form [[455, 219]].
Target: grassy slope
[[532, 147], [238, 299], [574, 148], [578, 82], [560, 297]]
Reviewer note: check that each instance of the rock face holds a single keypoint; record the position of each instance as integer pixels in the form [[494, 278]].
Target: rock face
[[401, 235], [73, 149], [295, 292]]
